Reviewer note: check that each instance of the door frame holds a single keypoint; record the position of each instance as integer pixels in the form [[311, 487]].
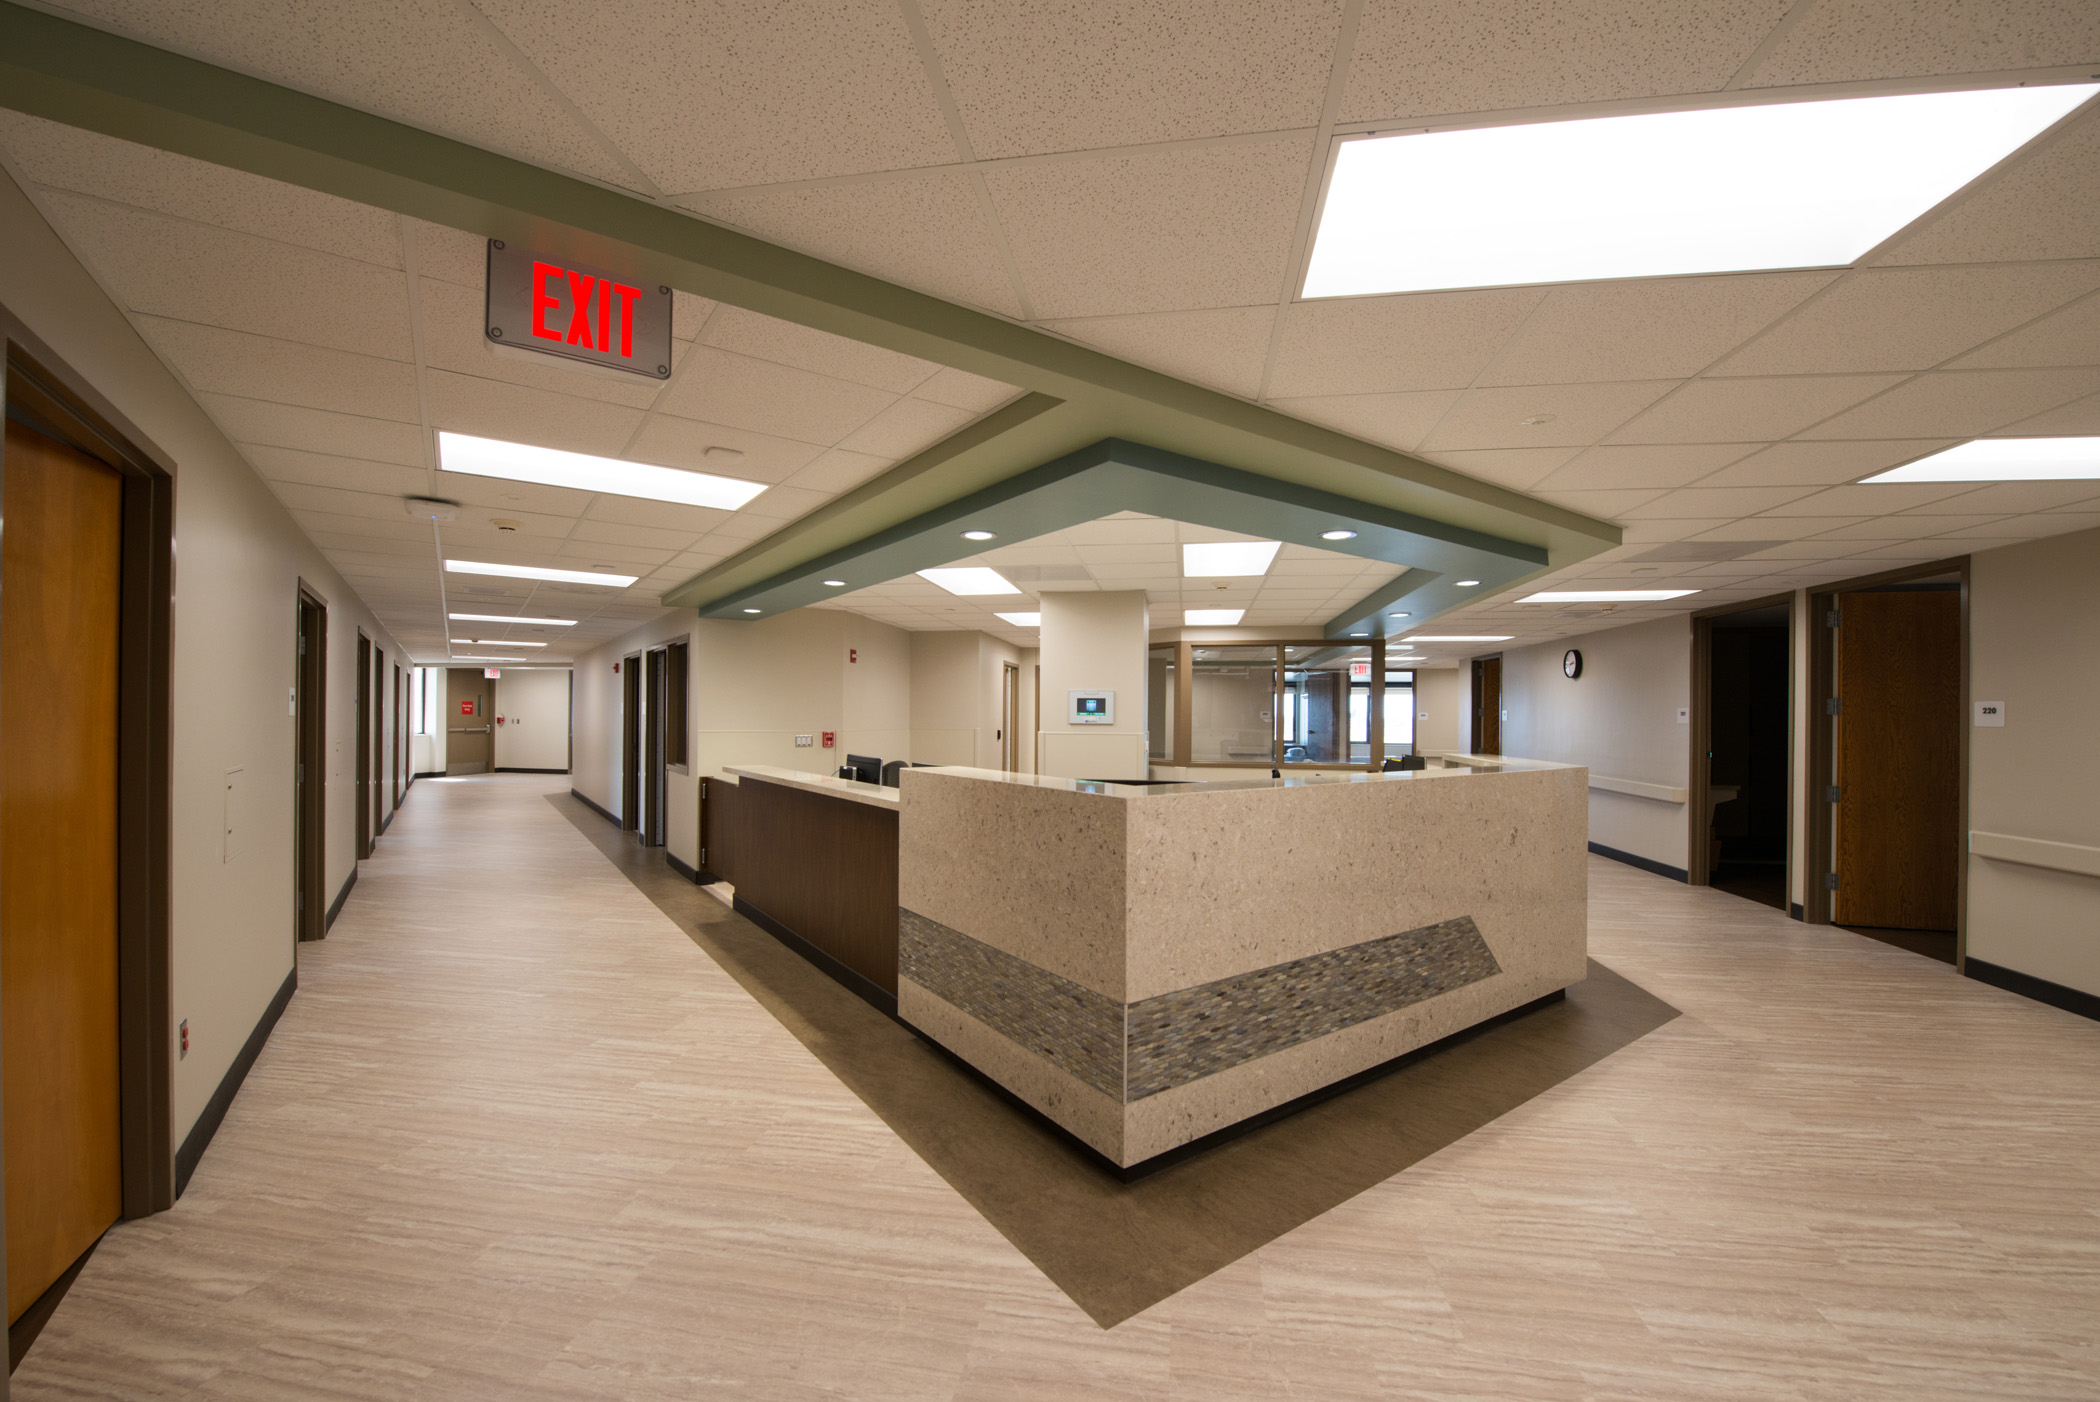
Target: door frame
[[1816, 818], [1010, 717], [1698, 869], [44, 391], [1473, 739], [310, 798]]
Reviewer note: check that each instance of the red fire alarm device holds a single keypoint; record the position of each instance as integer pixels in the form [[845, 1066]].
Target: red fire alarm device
[[499, 720], [829, 740], [853, 654]]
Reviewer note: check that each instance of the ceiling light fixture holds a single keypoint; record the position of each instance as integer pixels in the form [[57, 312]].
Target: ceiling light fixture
[[464, 657], [754, 610], [504, 642], [551, 467], [1212, 618], [605, 581], [510, 618], [1023, 620], [2004, 460], [835, 583], [980, 535], [1359, 635], [1468, 583], [1604, 596], [1459, 638], [969, 579], [1231, 557], [1658, 194], [1337, 535]]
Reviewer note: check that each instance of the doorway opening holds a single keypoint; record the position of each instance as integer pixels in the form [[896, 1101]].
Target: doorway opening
[[364, 746], [310, 812], [1891, 757], [1487, 705], [631, 742], [382, 815], [654, 707], [398, 770], [470, 701], [1742, 730], [1009, 716]]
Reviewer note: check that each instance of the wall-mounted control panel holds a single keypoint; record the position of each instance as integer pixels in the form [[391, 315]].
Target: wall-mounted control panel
[[1093, 707]]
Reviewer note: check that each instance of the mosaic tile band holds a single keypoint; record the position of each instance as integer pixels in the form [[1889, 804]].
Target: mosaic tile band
[[1133, 1051]]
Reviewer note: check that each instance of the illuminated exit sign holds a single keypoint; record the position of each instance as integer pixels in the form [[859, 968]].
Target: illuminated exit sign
[[570, 310]]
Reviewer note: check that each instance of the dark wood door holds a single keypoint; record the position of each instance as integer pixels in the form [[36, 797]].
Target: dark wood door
[[470, 707], [1487, 706], [59, 574], [311, 817], [364, 747], [1898, 759]]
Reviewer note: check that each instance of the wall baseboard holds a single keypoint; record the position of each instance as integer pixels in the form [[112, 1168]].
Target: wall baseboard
[[2056, 995], [868, 990], [335, 907], [604, 813], [199, 1137], [427, 774], [506, 769], [1647, 864], [386, 821], [1795, 912], [689, 873]]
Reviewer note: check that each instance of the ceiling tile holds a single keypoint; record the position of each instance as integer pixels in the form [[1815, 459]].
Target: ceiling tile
[[905, 428], [776, 399], [1150, 529], [649, 537], [1085, 74], [1430, 57], [1364, 345], [1646, 466], [1606, 505], [960, 389], [927, 232], [2058, 523], [1222, 347], [337, 501], [327, 470], [2067, 337], [838, 471], [423, 62], [507, 498], [1909, 318], [670, 441], [450, 255], [1153, 231], [215, 360], [1662, 328], [1394, 420], [2010, 497], [2040, 207], [1691, 502], [1818, 464], [194, 272], [453, 340], [1842, 40], [778, 504], [1886, 528], [1959, 403], [589, 554], [492, 409], [1879, 499], [806, 348], [1516, 468], [249, 421], [706, 96], [1573, 415], [2073, 420], [1743, 411]]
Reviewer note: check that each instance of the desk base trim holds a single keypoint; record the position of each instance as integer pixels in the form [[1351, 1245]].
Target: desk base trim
[[867, 989]]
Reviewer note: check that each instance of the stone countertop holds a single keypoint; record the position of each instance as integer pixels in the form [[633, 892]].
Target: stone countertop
[[1128, 789], [830, 785]]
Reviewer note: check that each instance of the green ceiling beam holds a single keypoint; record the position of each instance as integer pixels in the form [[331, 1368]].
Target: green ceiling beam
[[85, 77]]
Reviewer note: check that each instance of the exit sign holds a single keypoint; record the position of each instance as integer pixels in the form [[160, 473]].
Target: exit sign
[[573, 311], [1358, 671]]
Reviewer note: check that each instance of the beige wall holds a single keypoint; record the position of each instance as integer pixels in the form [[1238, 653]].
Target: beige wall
[[1619, 718], [1094, 641], [239, 559], [2034, 629], [944, 697], [533, 706], [1443, 697]]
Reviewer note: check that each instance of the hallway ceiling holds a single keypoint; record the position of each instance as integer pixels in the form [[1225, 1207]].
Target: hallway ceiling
[[1141, 181]]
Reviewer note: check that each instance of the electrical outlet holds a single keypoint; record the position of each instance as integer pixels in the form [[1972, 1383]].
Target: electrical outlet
[[803, 742]]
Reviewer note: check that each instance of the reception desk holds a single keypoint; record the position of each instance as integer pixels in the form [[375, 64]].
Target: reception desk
[[1150, 964]]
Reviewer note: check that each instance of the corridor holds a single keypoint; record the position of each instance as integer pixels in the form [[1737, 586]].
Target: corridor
[[519, 1136]]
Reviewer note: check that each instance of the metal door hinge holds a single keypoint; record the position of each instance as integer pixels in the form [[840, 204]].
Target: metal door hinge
[[1832, 706], [1830, 795], [1833, 619], [1830, 881]]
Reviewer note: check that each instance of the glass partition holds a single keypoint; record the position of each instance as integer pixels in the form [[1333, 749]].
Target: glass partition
[[1243, 705], [1232, 705], [1317, 704], [1399, 714]]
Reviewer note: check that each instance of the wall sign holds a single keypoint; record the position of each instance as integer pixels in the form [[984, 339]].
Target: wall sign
[[1359, 671], [559, 307], [466, 708], [492, 672], [1990, 713], [1093, 707]]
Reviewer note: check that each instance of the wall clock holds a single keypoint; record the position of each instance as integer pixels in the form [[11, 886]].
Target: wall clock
[[1571, 664]]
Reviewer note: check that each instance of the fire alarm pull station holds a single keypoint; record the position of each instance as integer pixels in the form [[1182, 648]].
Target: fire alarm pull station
[[499, 720], [829, 739]]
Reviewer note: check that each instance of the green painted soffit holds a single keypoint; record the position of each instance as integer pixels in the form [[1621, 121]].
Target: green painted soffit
[[81, 76], [1113, 476]]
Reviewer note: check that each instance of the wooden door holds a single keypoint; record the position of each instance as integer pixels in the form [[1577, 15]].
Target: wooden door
[[470, 705], [1487, 706], [364, 748], [311, 815], [1898, 759], [59, 572], [631, 743], [653, 763]]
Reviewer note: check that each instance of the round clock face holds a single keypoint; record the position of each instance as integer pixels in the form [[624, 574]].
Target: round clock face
[[1572, 663]]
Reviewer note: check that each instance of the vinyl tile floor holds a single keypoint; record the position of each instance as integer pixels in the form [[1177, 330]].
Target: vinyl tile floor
[[519, 1137]]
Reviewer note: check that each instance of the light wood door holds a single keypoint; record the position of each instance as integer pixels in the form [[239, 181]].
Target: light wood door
[[59, 570], [1898, 759]]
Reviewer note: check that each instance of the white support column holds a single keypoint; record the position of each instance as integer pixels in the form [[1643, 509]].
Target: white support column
[[1094, 642]]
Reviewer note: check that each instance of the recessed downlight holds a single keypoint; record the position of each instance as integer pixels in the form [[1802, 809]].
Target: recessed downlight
[[835, 583], [754, 610], [1337, 535], [1469, 584], [980, 535]]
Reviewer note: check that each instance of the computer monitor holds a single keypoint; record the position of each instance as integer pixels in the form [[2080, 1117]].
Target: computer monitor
[[868, 769]]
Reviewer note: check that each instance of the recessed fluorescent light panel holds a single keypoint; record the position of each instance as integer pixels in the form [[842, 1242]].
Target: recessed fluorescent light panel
[[1458, 638], [464, 657], [505, 642], [1234, 557], [550, 467], [598, 577], [1730, 189], [1023, 620], [508, 618], [969, 579], [1212, 618], [1604, 596], [2004, 460]]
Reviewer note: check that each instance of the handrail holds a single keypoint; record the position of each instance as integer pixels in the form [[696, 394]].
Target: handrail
[[2073, 857]]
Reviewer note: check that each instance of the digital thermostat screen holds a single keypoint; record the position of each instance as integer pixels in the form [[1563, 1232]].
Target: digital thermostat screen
[[1093, 708]]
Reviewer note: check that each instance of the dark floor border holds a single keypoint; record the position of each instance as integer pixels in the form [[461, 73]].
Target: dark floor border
[[199, 1137], [1647, 864], [22, 1333], [859, 984], [506, 769], [335, 907], [2056, 995], [426, 774], [689, 873], [605, 813]]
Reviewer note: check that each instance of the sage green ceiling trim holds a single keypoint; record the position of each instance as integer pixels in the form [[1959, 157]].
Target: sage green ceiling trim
[[85, 77], [1114, 475]]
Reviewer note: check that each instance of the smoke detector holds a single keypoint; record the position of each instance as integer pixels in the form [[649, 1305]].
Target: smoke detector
[[504, 523]]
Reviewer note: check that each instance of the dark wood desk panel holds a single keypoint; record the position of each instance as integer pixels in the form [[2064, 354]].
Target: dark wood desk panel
[[823, 870]]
